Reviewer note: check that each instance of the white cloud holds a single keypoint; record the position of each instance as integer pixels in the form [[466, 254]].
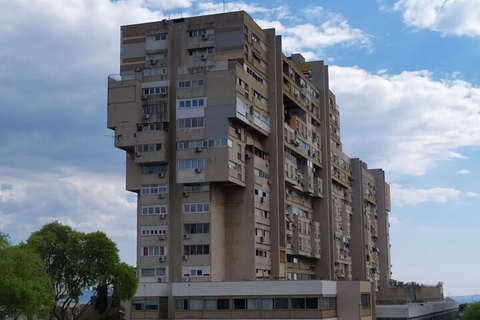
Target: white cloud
[[463, 171], [405, 123], [393, 219], [472, 194], [402, 196], [449, 17], [85, 201]]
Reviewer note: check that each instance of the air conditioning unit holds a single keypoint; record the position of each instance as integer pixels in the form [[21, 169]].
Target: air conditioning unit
[[185, 194], [159, 280], [184, 258], [198, 170], [248, 155], [162, 259], [263, 199], [163, 216], [161, 237], [204, 36], [238, 130], [262, 239], [203, 56], [186, 236], [161, 196], [161, 175], [144, 97], [153, 61], [198, 149], [137, 154], [146, 116]]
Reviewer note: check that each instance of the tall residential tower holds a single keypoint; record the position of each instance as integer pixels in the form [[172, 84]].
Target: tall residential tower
[[235, 154]]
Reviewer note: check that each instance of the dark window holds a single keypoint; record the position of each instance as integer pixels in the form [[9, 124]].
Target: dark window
[[281, 303], [238, 303], [298, 303], [223, 304], [311, 303]]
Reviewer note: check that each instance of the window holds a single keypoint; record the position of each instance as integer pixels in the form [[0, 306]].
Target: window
[[154, 189], [365, 301], [197, 33], [191, 164], [154, 210], [149, 147], [191, 103], [154, 168], [155, 90], [153, 272], [196, 249], [197, 271], [191, 83], [281, 303], [217, 304], [203, 143], [153, 230], [155, 108], [181, 304], [201, 207], [329, 303], [155, 71], [298, 303], [196, 187], [194, 228], [138, 304], [200, 51], [255, 75], [195, 304], [190, 123], [162, 36], [153, 251]]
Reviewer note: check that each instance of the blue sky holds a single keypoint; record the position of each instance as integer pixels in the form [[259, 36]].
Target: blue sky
[[405, 73]]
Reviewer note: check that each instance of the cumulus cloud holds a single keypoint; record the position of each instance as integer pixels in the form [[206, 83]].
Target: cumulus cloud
[[463, 171], [405, 122], [403, 196], [446, 16], [82, 200], [472, 194]]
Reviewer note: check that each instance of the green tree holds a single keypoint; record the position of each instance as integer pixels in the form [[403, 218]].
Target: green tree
[[77, 261], [472, 312], [25, 288]]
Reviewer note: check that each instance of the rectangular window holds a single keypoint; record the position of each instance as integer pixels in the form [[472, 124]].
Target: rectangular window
[[154, 210], [154, 168], [153, 230], [155, 90], [159, 37], [195, 304], [191, 83], [197, 249], [191, 164], [190, 123], [365, 301], [281, 303], [194, 228], [154, 189], [153, 251], [191, 103], [138, 304], [181, 304], [196, 187], [152, 147], [197, 207], [153, 272], [197, 33], [329, 303]]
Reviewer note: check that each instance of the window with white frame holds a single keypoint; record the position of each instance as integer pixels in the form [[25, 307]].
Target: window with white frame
[[153, 251], [155, 90], [198, 207], [154, 168], [155, 71], [196, 187], [154, 210], [153, 230], [191, 164], [191, 103], [191, 123], [197, 33], [154, 189], [153, 272]]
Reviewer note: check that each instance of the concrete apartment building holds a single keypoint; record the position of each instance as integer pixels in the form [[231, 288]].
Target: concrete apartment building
[[234, 152]]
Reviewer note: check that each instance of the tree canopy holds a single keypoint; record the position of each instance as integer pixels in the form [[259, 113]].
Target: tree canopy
[[77, 261], [472, 312], [25, 288]]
